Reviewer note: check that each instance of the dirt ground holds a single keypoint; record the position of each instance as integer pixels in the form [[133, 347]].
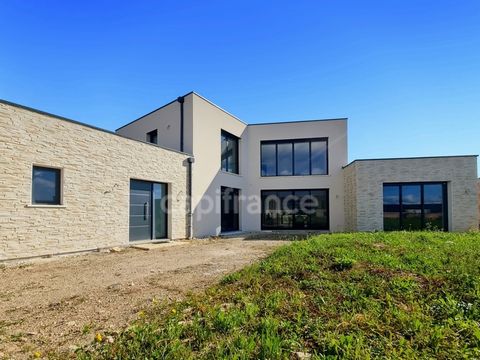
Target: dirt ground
[[61, 303]]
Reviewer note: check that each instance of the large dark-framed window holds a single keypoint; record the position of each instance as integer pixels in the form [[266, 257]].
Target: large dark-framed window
[[415, 206], [294, 157], [46, 186], [300, 209], [229, 148]]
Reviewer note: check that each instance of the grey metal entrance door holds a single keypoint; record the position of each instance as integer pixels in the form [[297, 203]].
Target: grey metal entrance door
[[148, 210], [140, 210]]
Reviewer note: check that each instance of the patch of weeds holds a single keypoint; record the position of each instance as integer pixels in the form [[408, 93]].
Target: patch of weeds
[[230, 278], [87, 329], [17, 337]]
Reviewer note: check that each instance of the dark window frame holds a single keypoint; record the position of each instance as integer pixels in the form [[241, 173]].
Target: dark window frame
[[400, 185], [262, 212], [150, 134], [58, 188], [232, 137], [293, 141]]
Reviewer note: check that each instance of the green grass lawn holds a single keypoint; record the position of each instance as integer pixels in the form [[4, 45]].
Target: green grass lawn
[[381, 295]]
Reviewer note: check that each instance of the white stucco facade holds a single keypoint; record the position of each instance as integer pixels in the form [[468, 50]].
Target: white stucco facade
[[203, 124], [353, 204]]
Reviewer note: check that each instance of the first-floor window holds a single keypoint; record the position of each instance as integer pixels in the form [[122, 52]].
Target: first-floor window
[[295, 209], [46, 186], [298, 157], [415, 206]]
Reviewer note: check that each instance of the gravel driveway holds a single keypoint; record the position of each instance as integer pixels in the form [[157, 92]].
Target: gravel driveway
[[62, 302]]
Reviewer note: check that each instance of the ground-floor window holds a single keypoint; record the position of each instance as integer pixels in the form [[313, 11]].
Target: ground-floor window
[[305, 209], [415, 206], [148, 210]]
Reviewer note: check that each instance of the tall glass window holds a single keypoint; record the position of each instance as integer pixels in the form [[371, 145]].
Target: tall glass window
[[229, 149], [160, 211], [294, 157], [415, 206]]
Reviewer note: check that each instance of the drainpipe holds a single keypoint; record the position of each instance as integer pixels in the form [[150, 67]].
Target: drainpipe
[[181, 100], [190, 161]]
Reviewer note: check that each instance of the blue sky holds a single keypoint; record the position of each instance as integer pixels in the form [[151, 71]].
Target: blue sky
[[405, 73]]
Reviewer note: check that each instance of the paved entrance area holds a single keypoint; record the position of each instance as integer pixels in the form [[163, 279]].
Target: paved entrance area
[[60, 303]]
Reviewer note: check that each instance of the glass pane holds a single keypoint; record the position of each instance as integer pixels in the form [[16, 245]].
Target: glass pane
[[271, 207], [160, 211], [224, 153], [319, 157], [391, 195], [412, 217], [319, 217], [285, 159], [46, 186], [433, 206], [287, 209], [269, 160], [391, 207], [411, 195], [391, 218], [302, 158], [433, 194], [302, 213], [232, 155]]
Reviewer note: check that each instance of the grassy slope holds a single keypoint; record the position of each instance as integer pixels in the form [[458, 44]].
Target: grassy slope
[[394, 295]]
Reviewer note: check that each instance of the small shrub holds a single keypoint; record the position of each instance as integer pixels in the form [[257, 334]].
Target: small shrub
[[342, 263]]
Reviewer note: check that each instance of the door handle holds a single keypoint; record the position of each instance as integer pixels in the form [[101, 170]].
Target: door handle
[[145, 210]]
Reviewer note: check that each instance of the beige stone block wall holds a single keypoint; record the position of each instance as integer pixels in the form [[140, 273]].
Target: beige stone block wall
[[350, 199], [97, 167], [459, 172], [478, 200]]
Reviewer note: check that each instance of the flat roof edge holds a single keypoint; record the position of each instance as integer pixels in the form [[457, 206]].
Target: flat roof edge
[[411, 158], [299, 121], [58, 117]]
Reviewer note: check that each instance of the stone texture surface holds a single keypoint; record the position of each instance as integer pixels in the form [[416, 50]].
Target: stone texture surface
[[350, 197], [97, 167], [364, 186], [478, 200]]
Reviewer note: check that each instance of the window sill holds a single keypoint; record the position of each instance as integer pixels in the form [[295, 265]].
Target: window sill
[[45, 206]]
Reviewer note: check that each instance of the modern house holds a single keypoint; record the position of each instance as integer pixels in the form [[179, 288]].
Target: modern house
[[191, 169]]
